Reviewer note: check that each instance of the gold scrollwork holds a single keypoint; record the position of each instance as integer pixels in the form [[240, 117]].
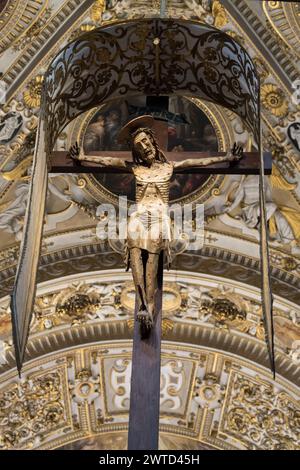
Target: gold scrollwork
[[31, 408], [259, 414]]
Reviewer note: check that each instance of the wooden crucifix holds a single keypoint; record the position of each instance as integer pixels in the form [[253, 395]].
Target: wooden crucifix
[[152, 167]]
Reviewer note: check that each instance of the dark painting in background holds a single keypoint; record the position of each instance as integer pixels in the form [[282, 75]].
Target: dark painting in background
[[189, 129]]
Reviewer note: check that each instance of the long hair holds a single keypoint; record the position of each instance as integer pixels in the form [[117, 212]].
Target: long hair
[[137, 159]]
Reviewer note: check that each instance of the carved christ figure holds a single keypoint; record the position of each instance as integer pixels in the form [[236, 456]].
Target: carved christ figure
[[149, 227]]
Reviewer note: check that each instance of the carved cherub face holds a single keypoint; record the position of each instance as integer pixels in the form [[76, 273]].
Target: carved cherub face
[[144, 145]]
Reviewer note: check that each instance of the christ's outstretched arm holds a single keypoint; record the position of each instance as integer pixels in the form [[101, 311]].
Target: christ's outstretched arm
[[112, 162], [235, 154]]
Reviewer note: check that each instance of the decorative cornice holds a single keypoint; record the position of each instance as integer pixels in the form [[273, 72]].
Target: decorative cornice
[[264, 41], [282, 16], [16, 18], [211, 260], [197, 309]]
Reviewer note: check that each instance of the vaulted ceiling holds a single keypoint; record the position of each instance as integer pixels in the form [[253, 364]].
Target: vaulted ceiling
[[79, 346]]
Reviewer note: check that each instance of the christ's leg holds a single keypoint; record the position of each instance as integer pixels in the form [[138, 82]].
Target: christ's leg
[[151, 282], [137, 267]]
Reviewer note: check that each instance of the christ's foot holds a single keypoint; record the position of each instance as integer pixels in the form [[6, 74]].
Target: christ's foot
[[146, 322]]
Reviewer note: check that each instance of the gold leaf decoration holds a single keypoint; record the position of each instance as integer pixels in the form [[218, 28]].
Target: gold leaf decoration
[[274, 100], [278, 182], [219, 14], [32, 407], [32, 95], [97, 9]]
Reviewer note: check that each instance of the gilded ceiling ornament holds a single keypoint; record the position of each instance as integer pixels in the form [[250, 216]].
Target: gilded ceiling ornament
[[223, 310], [9, 256], [21, 156], [90, 210], [274, 100], [219, 14], [31, 408], [77, 305], [207, 396], [260, 416], [32, 94], [208, 393], [274, 4], [215, 192], [156, 4], [186, 303], [279, 157], [166, 326], [97, 10], [85, 387]]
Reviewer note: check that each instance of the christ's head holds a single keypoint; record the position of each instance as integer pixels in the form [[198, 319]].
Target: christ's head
[[145, 147]]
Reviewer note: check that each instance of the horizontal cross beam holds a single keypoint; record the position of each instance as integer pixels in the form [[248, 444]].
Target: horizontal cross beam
[[248, 165]]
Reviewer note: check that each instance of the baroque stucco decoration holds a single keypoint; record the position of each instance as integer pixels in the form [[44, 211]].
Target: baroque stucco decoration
[[80, 363], [85, 395]]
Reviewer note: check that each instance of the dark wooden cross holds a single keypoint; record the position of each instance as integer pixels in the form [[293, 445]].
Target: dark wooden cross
[[145, 380]]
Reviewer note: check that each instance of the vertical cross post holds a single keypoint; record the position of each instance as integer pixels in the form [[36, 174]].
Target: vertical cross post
[[163, 5], [145, 380]]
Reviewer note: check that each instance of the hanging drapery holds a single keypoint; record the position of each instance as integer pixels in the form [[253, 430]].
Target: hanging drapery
[[145, 57], [266, 290], [22, 300]]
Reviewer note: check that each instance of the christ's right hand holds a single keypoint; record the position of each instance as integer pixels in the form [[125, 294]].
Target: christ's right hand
[[75, 152], [236, 153]]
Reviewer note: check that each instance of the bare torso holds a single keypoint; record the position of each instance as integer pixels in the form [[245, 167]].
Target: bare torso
[[149, 224], [158, 175]]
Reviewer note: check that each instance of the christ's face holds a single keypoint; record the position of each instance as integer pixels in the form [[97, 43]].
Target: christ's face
[[144, 145]]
